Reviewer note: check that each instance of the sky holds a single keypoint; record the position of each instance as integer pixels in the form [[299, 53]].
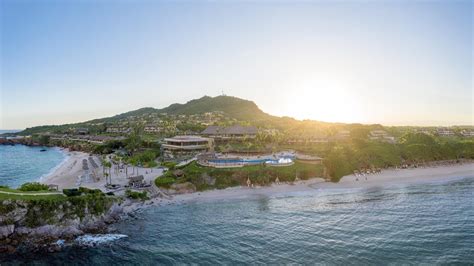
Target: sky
[[388, 62]]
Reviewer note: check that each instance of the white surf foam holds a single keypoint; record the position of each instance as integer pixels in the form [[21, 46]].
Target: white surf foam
[[93, 240]]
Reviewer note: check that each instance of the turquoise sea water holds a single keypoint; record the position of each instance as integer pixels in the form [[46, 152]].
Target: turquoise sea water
[[20, 164], [407, 224]]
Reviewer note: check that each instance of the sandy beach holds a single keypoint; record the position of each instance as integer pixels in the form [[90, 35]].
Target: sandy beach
[[387, 178], [70, 173]]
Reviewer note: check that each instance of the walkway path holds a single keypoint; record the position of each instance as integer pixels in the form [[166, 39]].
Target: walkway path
[[31, 194]]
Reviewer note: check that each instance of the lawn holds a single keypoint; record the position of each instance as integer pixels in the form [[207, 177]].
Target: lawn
[[28, 195]]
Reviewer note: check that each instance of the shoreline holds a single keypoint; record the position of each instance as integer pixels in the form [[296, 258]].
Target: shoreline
[[314, 186], [70, 173], [66, 176], [67, 156]]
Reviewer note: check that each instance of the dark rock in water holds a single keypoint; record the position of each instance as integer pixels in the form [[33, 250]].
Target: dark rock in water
[[4, 141], [43, 150]]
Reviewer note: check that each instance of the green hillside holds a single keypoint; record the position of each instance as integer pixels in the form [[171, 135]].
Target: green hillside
[[232, 107]]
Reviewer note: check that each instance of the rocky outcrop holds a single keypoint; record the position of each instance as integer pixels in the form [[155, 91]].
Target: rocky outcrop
[[19, 141], [39, 225]]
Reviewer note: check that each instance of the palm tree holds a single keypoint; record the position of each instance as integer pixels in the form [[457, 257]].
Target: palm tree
[[248, 145], [108, 165], [134, 140]]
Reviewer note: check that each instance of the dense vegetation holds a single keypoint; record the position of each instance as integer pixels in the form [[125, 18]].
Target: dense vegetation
[[136, 194], [33, 186], [208, 178], [343, 159], [43, 209]]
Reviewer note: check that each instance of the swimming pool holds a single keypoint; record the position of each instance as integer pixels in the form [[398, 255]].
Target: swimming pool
[[238, 161]]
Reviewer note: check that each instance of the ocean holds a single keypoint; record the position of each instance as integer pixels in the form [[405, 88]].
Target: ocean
[[20, 164], [2, 131], [405, 224]]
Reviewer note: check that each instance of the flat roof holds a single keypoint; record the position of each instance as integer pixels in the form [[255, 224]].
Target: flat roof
[[186, 139]]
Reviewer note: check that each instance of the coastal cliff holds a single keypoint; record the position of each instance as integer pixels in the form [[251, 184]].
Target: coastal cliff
[[39, 224]]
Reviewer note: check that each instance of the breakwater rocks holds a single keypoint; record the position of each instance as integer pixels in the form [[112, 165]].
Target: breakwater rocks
[[47, 225]]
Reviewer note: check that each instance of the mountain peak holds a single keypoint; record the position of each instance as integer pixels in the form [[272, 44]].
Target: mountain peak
[[232, 106]]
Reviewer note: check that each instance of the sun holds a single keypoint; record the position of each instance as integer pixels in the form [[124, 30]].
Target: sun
[[327, 101]]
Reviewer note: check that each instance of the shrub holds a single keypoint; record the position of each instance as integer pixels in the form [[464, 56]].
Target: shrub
[[169, 165], [90, 191], [165, 182], [71, 192], [136, 195], [151, 164], [33, 186]]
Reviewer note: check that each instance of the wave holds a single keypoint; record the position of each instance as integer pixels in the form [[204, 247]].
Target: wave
[[93, 240]]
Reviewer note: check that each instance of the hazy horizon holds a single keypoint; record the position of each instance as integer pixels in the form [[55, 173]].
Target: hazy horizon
[[388, 62], [160, 107]]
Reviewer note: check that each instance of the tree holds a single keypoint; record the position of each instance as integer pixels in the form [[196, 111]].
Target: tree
[[134, 140], [107, 165], [338, 163]]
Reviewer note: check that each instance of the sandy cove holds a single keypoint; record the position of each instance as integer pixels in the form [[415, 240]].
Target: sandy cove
[[68, 174]]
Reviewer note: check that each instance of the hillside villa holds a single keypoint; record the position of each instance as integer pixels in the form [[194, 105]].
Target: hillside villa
[[313, 139], [342, 135], [152, 129], [381, 135], [424, 131], [82, 131], [118, 129], [94, 139], [445, 132], [467, 133]]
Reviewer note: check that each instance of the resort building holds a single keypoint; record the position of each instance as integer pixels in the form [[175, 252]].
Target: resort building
[[118, 129], [381, 135], [236, 132], [342, 135], [424, 131], [152, 129], [315, 139], [82, 131], [185, 146], [445, 132], [467, 133]]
